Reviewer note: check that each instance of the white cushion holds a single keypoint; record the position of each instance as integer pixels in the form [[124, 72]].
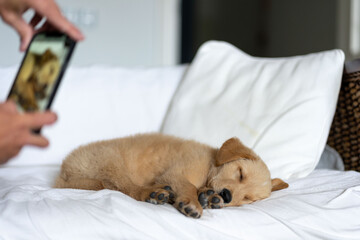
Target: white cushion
[[280, 107], [96, 103], [330, 159]]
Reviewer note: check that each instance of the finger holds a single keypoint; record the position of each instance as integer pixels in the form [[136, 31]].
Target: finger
[[37, 120], [65, 26], [36, 140], [23, 29], [51, 11], [35, 20]]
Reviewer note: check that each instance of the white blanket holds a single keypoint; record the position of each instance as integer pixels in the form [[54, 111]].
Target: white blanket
[[324, 205]]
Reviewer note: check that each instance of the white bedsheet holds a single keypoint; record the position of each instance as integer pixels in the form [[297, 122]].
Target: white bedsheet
[[324, 205]]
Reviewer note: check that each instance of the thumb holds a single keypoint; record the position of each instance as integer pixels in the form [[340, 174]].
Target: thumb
[[10, 106]]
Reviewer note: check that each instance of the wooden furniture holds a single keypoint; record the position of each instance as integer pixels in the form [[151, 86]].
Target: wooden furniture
[[345, 130]]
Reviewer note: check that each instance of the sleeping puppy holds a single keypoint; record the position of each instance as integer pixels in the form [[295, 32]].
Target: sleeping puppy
[[37, 75], [162, 169]]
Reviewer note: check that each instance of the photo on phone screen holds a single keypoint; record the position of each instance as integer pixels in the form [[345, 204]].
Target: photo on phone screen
[[40, 72]]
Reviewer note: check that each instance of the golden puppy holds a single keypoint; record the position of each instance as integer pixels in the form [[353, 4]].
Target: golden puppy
[[37, 75], [163, 169]]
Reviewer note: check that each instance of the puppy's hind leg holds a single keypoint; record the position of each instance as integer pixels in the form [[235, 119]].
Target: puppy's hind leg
[[153, 193], [79, 183], [158, 194]]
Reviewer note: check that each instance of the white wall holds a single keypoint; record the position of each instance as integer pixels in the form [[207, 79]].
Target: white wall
[[118, 32]]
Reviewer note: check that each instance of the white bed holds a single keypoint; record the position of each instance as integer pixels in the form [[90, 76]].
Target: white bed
[[105, 102], [324, 205]]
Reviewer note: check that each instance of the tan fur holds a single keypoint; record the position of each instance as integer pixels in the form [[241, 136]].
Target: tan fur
[[164, 169]]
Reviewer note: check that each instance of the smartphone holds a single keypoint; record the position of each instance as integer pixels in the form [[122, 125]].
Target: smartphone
[[41, 70]]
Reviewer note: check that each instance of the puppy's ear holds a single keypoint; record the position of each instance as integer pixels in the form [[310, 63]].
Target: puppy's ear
[[278, 184], [232, 150]]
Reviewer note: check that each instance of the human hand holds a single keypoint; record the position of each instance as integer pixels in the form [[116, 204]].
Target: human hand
[[15, 130], [11, 12]]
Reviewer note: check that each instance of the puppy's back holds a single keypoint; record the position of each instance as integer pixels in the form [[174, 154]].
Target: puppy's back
[[144, 156]]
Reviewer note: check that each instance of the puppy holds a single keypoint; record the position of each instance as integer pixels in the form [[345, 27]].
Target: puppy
[[37, 75], [162, 169]]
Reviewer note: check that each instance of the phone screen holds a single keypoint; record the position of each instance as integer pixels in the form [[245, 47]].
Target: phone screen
[[41, 71]]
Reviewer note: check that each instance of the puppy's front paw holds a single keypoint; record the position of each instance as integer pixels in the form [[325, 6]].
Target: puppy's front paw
[[208, 198], [189, 208], [160, 195]]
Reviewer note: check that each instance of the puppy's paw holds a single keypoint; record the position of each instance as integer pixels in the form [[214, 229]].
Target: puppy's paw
[[160, 195], [208, 198], [189, 208]]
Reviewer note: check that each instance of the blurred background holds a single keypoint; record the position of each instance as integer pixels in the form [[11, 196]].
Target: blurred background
[[167, 32]]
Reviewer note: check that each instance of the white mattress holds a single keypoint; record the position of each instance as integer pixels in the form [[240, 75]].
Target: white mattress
[[324, 205]]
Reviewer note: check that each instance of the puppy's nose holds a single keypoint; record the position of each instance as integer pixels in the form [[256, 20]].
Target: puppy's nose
[[226, 195]]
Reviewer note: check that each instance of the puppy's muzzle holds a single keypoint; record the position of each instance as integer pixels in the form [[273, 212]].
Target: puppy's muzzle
[[226, 195]]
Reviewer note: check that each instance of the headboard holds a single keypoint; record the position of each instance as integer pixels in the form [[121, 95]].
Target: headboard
[[345, 130]]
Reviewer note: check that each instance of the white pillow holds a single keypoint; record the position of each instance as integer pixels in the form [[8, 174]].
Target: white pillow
[[96, 103], [330, 159], [280, 107]]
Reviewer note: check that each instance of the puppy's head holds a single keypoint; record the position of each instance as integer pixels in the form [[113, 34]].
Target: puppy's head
[[241, 176], [48, 68]]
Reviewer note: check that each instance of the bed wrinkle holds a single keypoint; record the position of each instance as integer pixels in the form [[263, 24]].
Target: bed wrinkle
[[36, 226], [335, 203], [162, 222], [223, 234], [318, 206], [318, 233], [318, 212], [173, 214], [355, 191], [321, 233], [298, 193], [278, 220], [203, 220], [35, 194], [130, 226], [323, 185]]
